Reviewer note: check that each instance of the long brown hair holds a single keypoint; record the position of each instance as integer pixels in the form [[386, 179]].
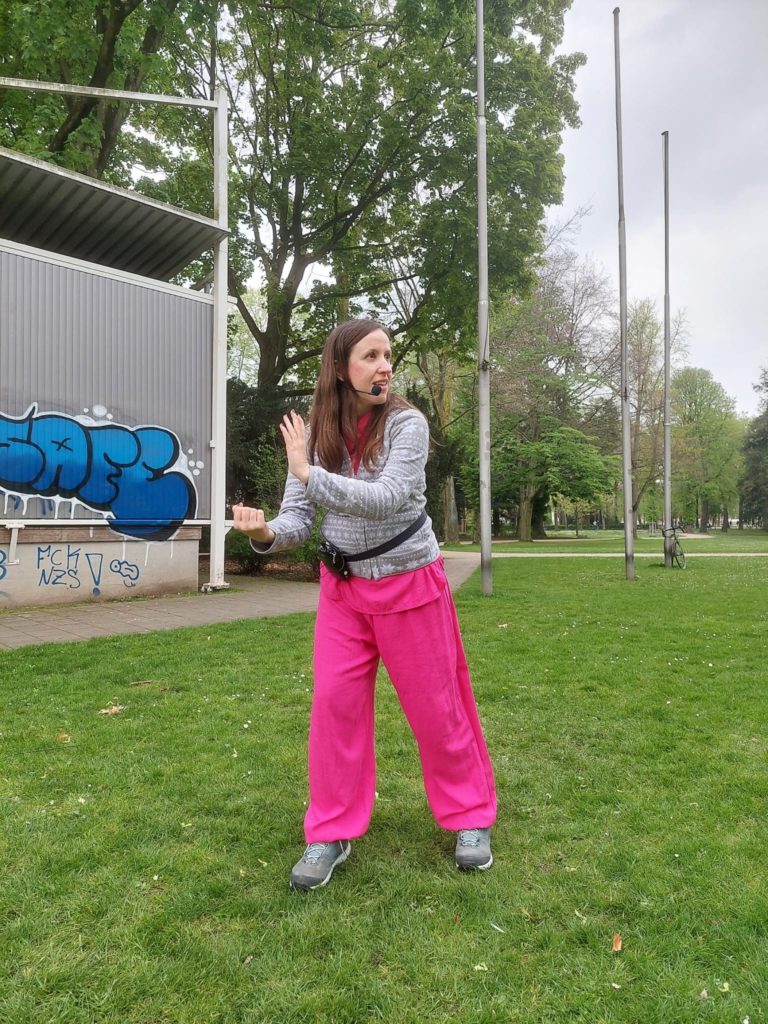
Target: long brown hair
[[333, 416]]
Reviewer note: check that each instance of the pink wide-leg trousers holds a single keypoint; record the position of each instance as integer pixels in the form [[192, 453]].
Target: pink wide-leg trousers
[[422, 651]]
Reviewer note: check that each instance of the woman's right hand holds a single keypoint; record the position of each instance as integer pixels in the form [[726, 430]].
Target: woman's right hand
[[250, 521]]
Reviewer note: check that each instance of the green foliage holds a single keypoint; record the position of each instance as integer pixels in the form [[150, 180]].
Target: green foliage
[[442, 462], [545, 394], [353, 142], [353, 137], [754, 480], [576, 467], [754, 484], [256, 463], [561, 461], [131, 45], [707, 443], [237, 548]]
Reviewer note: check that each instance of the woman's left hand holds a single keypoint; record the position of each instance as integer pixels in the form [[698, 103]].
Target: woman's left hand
[[294, 435]]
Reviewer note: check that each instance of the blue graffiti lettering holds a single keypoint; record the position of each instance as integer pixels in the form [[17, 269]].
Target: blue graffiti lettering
[[50, 553], [59, 578], [65, 446], [111, 468], [21, 461], [127, 570], [113, 449], [3, 559], [58, 566], [95, 563]]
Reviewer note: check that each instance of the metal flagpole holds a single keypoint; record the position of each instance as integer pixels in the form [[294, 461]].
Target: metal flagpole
[[484, 369], [669, 540], [626, 441], [219, 393]]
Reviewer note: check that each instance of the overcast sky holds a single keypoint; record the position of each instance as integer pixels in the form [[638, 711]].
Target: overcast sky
[[698, 69]]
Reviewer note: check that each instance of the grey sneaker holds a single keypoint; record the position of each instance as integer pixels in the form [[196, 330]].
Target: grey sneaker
[[473, 849], [316, 866]]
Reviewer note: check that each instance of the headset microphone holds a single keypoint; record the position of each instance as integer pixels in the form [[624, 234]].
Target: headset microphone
[[375, 390]]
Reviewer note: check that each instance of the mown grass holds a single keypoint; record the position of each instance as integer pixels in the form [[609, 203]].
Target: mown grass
[[145, 854]]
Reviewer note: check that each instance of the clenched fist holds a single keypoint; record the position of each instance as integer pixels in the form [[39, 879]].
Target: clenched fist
[[250, 521]]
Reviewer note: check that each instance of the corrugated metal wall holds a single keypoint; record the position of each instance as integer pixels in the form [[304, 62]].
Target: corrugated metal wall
[[105, 350]]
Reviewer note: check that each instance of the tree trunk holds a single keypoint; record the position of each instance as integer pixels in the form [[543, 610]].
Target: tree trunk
[[527, 494], [725, 524], [475, 525], [538, 517], [633, 510], [704, 521], [451, 515]]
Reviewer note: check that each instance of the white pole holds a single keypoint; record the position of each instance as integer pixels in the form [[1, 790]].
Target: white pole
[[668, 538], [484, 369], [626, 440], [219, 390]]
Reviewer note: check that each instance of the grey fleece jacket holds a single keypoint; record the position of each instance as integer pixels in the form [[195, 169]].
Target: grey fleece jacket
[[366, 510]]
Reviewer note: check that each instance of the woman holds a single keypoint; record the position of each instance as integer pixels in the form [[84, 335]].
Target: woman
[[389, 599]]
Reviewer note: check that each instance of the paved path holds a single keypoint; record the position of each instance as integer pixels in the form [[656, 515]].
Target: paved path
[[252, 597]]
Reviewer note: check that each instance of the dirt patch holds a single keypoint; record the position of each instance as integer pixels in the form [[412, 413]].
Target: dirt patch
[[299, 572]]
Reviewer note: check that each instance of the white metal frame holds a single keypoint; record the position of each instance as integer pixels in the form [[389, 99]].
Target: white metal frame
[[218, 441]]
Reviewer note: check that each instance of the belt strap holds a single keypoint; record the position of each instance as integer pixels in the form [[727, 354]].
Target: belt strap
[[382, 549]]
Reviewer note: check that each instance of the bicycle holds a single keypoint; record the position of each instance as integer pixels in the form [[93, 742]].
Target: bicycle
[[678, 555]]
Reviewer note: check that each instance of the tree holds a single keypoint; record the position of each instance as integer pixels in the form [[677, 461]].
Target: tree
[[645, 358], [107, 44], [439, 371], [708, 439], [544, 370], [559, 461], [353, 144], [754, 480], [352, 150]]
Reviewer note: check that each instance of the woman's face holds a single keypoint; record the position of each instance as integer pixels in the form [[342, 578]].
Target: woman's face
[[369, 363]]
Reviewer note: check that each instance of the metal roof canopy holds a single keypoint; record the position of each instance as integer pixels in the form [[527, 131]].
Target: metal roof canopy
[[47, 207]]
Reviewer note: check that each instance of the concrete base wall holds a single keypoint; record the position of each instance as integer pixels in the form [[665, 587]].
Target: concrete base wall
[[62, 565]]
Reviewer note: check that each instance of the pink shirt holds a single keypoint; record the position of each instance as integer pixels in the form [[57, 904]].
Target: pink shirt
[[388, 594], [357, 446]]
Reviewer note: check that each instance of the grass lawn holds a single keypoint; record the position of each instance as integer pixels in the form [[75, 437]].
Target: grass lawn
[[145, 854], [597, 541]]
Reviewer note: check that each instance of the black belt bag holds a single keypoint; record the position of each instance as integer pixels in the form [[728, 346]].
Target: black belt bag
[[337, 562]]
